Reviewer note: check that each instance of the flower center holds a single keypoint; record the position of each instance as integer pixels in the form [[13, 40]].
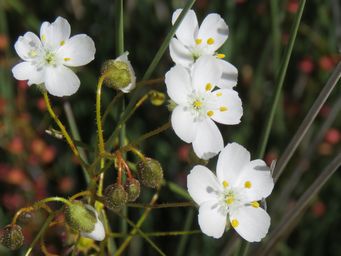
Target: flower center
[[50, 58], [197, 104]]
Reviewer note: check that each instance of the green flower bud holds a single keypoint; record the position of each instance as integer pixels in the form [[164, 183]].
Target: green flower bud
[[150, 172], [119, 73], [115, 196], [80, 218], [133, 189], [12, 237], [157, 98]]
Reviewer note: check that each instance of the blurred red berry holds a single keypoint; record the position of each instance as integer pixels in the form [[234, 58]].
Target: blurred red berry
[[66, 185], [292, 6], [319, 209], [16, 176], [270, 156], [325, 149], [333, 136], [22, 84], [16, 146], [13, 201], [326, 63], [183, 152], [41, 104], [37, 146], [306, 65], [3, 42], [48, 155]]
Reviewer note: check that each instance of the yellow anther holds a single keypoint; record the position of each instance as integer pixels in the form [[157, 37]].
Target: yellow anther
[[208, 87], [210, 41], [198, 41], [230, 200], [67, 59], [220, 55], [225, 184], [247, 184], [32, 53], [62, 43], [223, 108], [234, 223], [255, 204], [210, 113], [197, 104], [219, 94], [43, 37]]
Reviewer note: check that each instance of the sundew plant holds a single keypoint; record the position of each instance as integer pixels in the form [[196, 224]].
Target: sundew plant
[[193, 139]]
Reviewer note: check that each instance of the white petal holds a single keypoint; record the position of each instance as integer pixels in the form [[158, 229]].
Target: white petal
[[132, 85], [202, 184], [26, 71], [61, 81], [183, 124], [227, 107], [208, 140], [253, 223], [178, 84], [180, 54], [53, 35], [188, 29], [213, 27], [229, 75], [79, 50], [29, 43], [212, 219], [98, 233], [258, 174], [205, 70], [231, 162]]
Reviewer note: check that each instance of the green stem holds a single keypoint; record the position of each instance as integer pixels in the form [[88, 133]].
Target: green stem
[[54, 199], [308, 120], [156, 234], [276, 33], [164, 205], [98, 114]]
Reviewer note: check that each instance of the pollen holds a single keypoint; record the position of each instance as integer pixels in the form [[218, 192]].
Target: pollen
[[230, 200], [208, 87], [198, 41], [223, 109], [210, 41], [219, 94], [225, 184], [247, 184], [220, 56], [62, 43], [43, 38], [197, 104], [210, 113], [67, 59], [255, 204], [234, 223]]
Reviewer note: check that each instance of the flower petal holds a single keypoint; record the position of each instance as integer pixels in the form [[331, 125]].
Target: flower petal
[[28, 46], [212, 219], [205, 70], [79, 50], [183, 124], [188, 29], [214, 27], [124, 58], [229, 75], [231, 162], [202, 184], [180, 54], [53, 35], [253, 223], [26, 71], [98, 233], [226, 106], [61, 81], [259, 178], [208, 140], [178, 84]]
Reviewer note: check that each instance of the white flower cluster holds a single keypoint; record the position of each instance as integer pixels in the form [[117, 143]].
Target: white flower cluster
[[201, 84]]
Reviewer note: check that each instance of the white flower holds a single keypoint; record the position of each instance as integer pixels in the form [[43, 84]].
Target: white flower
[[193, 42], [233, 193], [98, 233], [46, 60], [124, 58], [199, 105]]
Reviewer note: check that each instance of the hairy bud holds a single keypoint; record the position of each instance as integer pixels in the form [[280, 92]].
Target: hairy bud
[[12, 237], [80, 218], [115, 196], [133, 189], [150, 172]]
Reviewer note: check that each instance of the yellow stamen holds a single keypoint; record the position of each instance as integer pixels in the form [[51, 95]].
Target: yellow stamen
[[219, 94], [255, 204], [210, 113], [198, 41], [247, 184], [234, 223], [43, 37], [62, 43], [220, 55], [208, 87], [32, 53], [223, 108], [210, 41], [230, 200], [225, 184], [197, 104], [67, 59]]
